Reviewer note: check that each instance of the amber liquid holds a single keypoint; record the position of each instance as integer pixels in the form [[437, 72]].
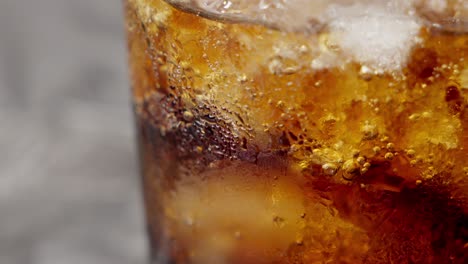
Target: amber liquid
[[249, 156]]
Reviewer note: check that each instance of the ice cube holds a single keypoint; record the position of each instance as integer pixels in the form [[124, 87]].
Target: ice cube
[[211, 213], [376, 36]]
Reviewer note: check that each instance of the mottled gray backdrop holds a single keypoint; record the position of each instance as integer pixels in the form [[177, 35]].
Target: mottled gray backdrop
[[69, 190]]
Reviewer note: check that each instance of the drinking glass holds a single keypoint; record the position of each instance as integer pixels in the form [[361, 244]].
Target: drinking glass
[[295, 131]]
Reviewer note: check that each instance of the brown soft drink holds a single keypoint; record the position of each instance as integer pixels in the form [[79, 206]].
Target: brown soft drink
[[295, 131]]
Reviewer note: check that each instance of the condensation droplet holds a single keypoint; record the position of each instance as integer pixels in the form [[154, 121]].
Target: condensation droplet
[[365, 73], [351, 169], [330, 169], [361, 160], [376, 149], [388, 156], [410, 153], [188, 116]]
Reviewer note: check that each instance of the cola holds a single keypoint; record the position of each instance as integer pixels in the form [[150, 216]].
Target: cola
[[302, 131]]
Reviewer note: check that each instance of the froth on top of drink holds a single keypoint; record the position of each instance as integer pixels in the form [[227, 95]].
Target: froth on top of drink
[[378, 34]]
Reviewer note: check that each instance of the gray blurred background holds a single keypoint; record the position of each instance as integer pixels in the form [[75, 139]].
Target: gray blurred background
[[69, 190]]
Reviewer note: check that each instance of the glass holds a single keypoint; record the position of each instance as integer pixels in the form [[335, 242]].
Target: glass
[[302, 131]]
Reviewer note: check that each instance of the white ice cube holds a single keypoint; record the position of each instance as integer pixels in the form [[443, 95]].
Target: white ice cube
[[373, 35]]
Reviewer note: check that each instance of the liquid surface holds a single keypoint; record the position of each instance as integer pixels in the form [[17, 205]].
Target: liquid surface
[[339, 143]]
